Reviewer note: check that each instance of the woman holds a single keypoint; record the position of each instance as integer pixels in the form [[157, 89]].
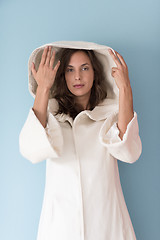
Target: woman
[[81, 122]]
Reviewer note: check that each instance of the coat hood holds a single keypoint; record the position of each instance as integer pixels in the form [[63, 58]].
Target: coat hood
[[101, 51]]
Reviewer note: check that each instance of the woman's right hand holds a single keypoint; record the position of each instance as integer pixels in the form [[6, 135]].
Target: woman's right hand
[[45, 74]]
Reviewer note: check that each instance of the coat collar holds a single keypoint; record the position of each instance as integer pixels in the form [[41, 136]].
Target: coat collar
[[100, 112]]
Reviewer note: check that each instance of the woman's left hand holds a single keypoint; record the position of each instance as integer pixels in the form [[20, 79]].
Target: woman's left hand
[[120, 73]]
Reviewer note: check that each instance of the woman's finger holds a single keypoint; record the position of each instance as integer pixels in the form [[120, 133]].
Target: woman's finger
[[33, 70], [43, 59], [57, 66], [115, 59], [52, 59], [121, 59], [114, 69], [48, 56], [113, 74]]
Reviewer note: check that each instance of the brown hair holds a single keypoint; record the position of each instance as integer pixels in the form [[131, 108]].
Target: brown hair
[[61, 93]]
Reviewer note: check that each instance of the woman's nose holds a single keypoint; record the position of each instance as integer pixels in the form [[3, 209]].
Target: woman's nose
[[77, 75]]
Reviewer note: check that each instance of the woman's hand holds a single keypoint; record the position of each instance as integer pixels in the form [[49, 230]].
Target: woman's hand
[[46, 73], [120, 73]]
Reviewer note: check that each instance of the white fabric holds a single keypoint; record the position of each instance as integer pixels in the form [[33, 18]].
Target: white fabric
[[127, 150], [83, 198], [37, 143]]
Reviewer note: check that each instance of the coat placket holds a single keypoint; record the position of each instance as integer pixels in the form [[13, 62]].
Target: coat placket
[[81, 215]]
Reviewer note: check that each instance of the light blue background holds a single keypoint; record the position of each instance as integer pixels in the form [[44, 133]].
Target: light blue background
[[130, 27]]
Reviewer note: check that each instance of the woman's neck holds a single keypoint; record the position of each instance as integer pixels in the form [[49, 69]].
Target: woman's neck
[[83, 101]]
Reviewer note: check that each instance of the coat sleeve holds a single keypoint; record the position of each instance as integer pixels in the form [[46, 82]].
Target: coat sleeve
[[129, 148], [37, 143]]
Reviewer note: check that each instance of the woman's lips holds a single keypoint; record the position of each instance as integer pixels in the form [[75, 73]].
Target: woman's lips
[[78, 85]]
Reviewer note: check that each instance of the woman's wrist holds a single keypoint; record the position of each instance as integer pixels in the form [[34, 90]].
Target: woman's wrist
[[43, 90]]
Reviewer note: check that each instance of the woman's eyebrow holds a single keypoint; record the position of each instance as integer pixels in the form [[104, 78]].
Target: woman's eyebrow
[[85, 64], [81, 65]]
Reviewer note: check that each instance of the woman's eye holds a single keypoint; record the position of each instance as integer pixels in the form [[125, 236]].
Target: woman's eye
[[69, 70], [85, 68]]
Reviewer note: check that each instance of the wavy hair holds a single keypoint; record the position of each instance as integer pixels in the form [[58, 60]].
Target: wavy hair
[[60, 91]]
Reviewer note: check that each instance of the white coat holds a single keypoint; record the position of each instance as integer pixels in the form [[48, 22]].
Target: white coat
[[83, 198]]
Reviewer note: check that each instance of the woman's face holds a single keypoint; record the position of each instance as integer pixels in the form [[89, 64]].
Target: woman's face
[[79, 76]]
